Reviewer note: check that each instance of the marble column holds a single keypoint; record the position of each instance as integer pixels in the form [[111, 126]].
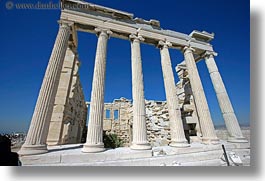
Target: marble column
[[207, 127], [37, 135], [139, 141], [233, 128], [94, 142], [178, 138]]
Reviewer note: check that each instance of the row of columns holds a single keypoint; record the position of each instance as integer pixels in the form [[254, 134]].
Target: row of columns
[[37, 134]]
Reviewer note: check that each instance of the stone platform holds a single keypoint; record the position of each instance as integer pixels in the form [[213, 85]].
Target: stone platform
[[196, 155]]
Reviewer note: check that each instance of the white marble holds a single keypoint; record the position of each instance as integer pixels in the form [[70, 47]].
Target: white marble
[[176, 126], [125, 23], [61, 99], [37, 135], [207, 127], [139, 141], [94, 141], [231, 122], [196, 155]]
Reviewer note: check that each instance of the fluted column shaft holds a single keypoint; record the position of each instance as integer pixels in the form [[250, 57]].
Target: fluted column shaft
[[207, 127], [139, 122], [231, 122], [36, 138], [94, 141], [176, 125]]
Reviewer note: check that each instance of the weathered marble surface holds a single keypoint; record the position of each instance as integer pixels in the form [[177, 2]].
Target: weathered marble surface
[[176, 126], [94, 141], [196, 155], [123, 24], [37, 135], [206, 123], [70, 110], [231, 122], [139, 141]]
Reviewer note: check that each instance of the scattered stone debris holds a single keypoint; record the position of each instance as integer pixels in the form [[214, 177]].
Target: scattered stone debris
[[176, 163]]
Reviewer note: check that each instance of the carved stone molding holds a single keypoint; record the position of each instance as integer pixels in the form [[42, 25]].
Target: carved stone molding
[[134, 37], [104, 32]]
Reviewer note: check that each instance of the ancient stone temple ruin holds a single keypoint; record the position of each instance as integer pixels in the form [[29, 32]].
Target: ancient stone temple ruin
[[183, 119]]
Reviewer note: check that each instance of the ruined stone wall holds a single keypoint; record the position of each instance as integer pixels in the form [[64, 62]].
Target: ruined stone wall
[[158, 130], [117, 119], [158, 125], [189, 114], [70, 110], [157, 121], [75, 114]]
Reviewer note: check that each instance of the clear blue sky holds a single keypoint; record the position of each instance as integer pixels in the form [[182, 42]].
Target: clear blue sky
[[28, 36]]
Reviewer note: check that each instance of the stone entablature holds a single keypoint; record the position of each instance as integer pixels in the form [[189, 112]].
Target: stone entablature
[[122, 24]]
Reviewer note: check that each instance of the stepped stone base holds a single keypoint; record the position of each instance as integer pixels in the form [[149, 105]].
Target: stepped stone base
[[196, 155]]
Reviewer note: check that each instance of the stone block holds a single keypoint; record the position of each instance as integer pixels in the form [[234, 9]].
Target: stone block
[[190, 120]]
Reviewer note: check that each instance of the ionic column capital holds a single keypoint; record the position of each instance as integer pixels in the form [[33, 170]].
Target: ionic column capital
[[187, 49], [65, 23], [164, 44], [103, 32], [209, 54], [136, 37]]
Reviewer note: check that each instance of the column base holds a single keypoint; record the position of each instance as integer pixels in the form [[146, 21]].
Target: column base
[[95, 148], [182, 144], [210, 141], [141, 146], [53, 143], [237, 140], [32, 150]]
